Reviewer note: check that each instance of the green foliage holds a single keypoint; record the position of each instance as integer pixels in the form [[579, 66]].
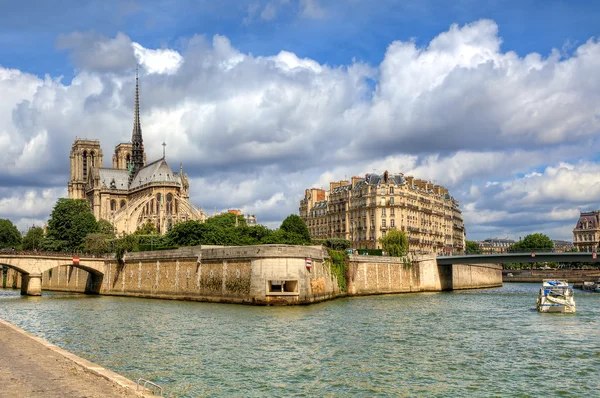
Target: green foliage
[[9, 234], [106, 228], [293, 224], [50, 244], [318, 242], [337, 244], [147, 229], [97, 243], [395, 243], [226, 220], [339, 263], [153, 242], [224, 232], [70, 222], [33, 239], [533, 241], [126, 244], [472, 247]]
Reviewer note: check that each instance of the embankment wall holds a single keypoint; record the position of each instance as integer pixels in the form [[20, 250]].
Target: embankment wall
[[268, 274]]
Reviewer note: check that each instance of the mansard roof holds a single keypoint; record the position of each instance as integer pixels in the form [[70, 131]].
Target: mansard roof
[[157, 171], [588, 220], [343, 188], [114, 178]]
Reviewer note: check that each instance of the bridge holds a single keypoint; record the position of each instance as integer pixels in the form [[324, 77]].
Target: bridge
[[531, 256], [31, 268]]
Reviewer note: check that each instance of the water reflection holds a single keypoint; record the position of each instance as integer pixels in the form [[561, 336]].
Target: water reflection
[[476, 343]]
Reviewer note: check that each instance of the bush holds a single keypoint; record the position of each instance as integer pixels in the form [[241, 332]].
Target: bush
[[339, 262], [337, 244]]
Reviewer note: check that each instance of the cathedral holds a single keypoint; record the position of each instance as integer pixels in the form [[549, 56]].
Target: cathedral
[[132, 193]]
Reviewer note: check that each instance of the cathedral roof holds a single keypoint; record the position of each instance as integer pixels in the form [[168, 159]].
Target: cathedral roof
[[114, 178], [158, 171]]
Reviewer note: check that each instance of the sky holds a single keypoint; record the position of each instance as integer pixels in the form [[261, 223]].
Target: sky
[[498, 101]]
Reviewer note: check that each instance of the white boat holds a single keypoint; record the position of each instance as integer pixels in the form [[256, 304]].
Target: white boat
[[555, 296]]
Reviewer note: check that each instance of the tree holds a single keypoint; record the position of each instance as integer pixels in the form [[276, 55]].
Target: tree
[[395, 243], [226, 220], [97, 243], [33, 239], [337, 244], [293, 224], [532, 242], [472, 247], [105, 227], [147, 229], [9, 234], [70, 222]]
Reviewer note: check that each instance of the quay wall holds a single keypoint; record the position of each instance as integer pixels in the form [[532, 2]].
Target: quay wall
[[537, 275], [263, 275], [476, 276]]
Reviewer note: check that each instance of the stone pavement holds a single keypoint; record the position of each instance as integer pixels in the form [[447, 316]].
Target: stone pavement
[[32, 367]]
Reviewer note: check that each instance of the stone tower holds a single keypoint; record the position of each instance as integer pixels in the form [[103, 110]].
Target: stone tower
[[137, 142], [122, 156], [86, 156]]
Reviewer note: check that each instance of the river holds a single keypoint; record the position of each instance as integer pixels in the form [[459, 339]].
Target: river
[[488, 342]]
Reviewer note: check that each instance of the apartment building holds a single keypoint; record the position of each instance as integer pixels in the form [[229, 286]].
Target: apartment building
[[586, 234], [363, 210]]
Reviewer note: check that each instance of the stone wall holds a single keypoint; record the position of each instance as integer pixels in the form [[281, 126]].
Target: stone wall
[[380, 275], [269, 274], [476, 276], [12, 279]]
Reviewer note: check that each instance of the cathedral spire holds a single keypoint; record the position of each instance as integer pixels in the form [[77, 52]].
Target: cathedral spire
[[137, 155]]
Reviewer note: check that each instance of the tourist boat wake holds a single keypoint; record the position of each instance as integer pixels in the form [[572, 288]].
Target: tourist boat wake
[[555, 296]]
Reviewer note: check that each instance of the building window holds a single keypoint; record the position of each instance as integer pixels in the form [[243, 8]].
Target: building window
[[391, 190], [85, 164], [383, 190], [383, 212], [113, 205], [392, 223], [383, 223], [122, 203]]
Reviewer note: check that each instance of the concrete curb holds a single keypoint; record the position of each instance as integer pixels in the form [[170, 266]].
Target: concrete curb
[[84, 363]]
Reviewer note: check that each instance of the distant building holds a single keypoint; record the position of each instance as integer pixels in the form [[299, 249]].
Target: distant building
[[561, 246], [586, 233], [495, 245], [364, 209], [250, 218]]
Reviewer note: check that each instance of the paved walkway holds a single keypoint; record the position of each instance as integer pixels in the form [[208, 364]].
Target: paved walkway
[[32, 367]]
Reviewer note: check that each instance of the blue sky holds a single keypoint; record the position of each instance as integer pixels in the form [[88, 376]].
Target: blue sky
[[260, 99], [347, 29]]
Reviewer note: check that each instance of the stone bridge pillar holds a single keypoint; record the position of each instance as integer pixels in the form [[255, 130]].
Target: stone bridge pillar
[[31, 284]]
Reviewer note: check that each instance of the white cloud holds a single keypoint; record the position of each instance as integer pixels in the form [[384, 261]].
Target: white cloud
[[157, 61], [254, 131]]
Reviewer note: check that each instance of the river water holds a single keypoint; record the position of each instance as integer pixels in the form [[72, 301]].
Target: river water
[[487, 342]]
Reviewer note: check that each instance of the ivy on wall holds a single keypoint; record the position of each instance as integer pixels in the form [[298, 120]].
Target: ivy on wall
[[338, 264]]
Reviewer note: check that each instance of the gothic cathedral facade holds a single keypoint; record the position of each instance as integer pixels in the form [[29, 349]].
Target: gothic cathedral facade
[[132, 193]]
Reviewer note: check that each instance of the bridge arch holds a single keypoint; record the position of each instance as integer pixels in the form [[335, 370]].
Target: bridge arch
[[32, 268]]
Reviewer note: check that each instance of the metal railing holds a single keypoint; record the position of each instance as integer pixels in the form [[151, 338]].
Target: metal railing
[[148, 382], [487, 252]]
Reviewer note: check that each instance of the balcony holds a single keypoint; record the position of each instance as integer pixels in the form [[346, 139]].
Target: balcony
[[383, 228]]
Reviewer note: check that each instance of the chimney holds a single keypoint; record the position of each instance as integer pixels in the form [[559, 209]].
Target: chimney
[[355, 179]]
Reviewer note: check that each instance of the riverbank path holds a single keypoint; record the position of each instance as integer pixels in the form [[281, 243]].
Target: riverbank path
[[32, 367]]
